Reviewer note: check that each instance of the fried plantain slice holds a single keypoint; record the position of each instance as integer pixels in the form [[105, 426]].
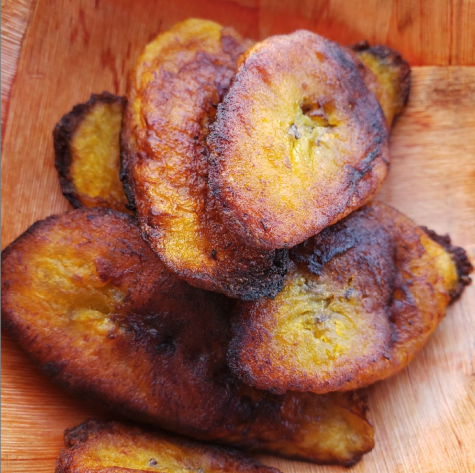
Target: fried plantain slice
[[360, 301], [298, 142], [173, 93], [86, 145], [387, 75], [96, 446], [94, 306]]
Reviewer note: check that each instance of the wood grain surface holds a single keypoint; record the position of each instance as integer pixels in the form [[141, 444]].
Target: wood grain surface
[[423, 417]]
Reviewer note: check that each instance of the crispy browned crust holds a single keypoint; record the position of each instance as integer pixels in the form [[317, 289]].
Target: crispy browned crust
[[63, 137], [298, 143], [106, 447], [173, 93], [392, 74], [359, 303], [94, 306], [460, 257]]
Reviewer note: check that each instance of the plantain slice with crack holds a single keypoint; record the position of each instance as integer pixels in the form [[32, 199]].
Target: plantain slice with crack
[[360, 301], [94, 306], [172, 97], [387, 75], [86, 145], [103, 447], [298, 143]]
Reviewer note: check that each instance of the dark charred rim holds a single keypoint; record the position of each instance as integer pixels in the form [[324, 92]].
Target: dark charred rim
[[16, 331], [78, 436], [239, 332], [261, 380], [218, 141], [243, 328], [85, 390], [9, 319], [125, 174], [63, 135], [48, 221], [251, 289], [391, 58], [459, 257], [245, 285]]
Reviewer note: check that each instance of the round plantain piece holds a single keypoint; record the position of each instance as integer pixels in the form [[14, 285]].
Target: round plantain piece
[[298, 143], [359, 302], [387, 75], [86, 145], [94, 306], [172, 98], [102, 447]]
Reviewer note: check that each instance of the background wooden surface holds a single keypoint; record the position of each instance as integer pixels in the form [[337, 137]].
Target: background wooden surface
[[55, 53]]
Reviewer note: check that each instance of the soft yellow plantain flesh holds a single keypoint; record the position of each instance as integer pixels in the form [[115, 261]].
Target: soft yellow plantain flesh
[[94, 306], [86, 143], [172, 96], [103, 447], [387, 75], [358, 304], [299, 141]]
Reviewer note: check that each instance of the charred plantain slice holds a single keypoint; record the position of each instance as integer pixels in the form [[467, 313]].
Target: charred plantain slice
[[96, 446], [298, 143], [86, 145], [387, 75], [360, 301], [94, 306], [173, 93]]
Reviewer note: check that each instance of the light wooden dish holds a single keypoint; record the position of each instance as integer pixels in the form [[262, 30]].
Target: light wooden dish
[[54, 54]]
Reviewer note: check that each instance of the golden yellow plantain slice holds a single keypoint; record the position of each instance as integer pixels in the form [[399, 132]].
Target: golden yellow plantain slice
[[86, 145], [173, 94], [103, 447], [387, 75], [94, 306], [299, 141], [360, 301]]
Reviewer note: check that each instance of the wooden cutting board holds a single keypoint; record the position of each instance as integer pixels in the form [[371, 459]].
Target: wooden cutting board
[[424, 417]]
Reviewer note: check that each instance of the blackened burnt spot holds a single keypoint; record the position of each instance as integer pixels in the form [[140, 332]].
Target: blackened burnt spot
[[53, 368], [348, 293], [231, 45], [459, 257], [281, 260], [329, 250], [167, 344], [361, 46]]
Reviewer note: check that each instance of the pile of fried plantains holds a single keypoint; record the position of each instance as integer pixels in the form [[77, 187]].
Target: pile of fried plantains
[[244, 285]]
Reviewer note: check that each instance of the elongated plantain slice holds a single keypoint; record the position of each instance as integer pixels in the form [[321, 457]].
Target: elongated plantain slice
[[387, 75], [96, 446], [90, 301], [173, 93], [86, 144], [298, 143], [360, 301]]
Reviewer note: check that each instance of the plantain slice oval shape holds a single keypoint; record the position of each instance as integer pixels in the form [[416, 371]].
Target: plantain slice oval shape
[[360, 301], [173, 93], [94, 306], [106, 447], [298, 143], [387, 75], [86, 145]]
